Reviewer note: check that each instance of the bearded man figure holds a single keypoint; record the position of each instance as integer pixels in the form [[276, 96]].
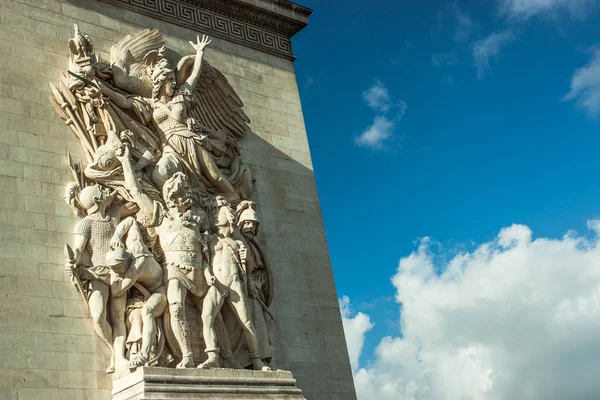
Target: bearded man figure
[[180, 228], [259, 286]]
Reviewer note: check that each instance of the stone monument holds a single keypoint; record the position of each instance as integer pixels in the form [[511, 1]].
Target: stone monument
[[187, 258]]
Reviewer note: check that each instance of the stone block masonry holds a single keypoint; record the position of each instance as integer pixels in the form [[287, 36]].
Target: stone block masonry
[[48, 349]]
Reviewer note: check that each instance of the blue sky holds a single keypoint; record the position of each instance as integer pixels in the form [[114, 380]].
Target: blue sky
[[447, 120]]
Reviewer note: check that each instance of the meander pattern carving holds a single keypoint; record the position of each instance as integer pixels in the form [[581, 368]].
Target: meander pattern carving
[[216, 24]]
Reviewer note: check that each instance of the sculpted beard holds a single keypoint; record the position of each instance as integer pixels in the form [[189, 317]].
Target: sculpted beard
[[248, 231]]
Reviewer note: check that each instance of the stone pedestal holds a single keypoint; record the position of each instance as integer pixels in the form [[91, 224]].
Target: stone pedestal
[[217, 384]]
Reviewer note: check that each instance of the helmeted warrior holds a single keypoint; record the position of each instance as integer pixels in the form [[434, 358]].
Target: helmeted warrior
[[227, 281], [259, 285], [92, 242]]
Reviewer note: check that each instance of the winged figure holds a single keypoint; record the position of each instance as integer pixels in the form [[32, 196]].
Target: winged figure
[[192, 109], [184, 119]]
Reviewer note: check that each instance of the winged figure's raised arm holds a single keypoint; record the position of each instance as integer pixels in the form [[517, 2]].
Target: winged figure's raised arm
[[191, 81]]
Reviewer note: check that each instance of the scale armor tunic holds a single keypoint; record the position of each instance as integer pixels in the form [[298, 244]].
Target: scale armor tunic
[[98, 233]]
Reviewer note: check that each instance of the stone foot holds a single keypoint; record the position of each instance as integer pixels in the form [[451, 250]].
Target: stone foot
[[137, 361], [186, 362], [211, 362]]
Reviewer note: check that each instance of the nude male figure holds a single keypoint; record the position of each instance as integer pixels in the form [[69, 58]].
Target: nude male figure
[[132, 263], [227, 285]]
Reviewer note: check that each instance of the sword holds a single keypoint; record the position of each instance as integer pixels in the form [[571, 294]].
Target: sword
[[264, 306], [70, 257]]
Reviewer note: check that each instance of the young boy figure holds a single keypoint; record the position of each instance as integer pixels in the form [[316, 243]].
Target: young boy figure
[[227, 284], [131, 266]]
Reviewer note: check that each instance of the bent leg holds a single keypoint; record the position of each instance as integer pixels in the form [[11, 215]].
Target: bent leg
[[212, 171], [154, 307], [176, 293]]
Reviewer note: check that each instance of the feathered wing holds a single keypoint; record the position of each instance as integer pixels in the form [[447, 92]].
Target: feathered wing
[[128, 64], [215, 104]]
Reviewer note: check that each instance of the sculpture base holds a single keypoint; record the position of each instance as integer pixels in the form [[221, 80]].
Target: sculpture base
[[217, 384]]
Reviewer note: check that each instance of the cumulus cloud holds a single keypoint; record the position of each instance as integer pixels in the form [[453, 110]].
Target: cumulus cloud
[[355, 327], [489, 48], [377, 133], [389, 114], [585, 85], [516, 318], [524, 9], [377, 96]]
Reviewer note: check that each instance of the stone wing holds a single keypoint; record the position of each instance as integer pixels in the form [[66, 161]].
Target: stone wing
[[128, 59], [215, 104]]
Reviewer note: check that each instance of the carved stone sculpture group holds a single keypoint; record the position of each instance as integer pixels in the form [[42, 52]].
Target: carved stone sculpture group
[[165, 255]]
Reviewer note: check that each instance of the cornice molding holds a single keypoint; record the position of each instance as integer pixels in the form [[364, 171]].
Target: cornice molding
[[265, 25]]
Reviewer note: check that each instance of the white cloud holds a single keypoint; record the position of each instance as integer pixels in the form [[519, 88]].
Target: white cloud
[[389, 114], [585, 85], [517, 318], [377, 133], [489, 48], [524, 9], [355, 327], [377, 96]]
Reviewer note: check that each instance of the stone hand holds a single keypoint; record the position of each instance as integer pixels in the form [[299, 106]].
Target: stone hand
[[251, 289], [70, 270], [243, 253], [103, 90], [116, 242], [211, 280], [123, 153], [200, 45]]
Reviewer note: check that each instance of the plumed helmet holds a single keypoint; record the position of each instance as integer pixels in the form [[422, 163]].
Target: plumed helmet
[[246, 211], [159, 73]]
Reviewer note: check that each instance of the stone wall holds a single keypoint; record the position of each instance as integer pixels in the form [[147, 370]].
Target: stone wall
[[47, 347]]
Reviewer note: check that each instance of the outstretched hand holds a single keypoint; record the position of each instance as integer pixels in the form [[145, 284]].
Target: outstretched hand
[[200, 45], [123, 153]]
